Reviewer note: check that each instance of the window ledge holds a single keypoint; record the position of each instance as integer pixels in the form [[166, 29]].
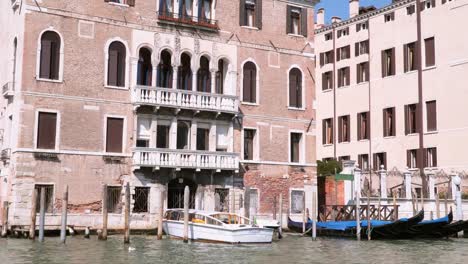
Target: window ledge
[[115, 87], [363, 140], [327, 145], [411, 72], [296, 108], [327, 90], [251, 104], [345, 142], [429, 68], [412, 134], [344, 87], [52, 151], [251, 28], [295, 35], [118, 4], [431, 132], [389, 137], [48, 80], [389, 76], [363, 83], [115, 154]]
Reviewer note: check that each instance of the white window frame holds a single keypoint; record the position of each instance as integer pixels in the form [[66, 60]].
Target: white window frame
[[57, 129], [38, 56], [106, 63], [257, 83], [303, 101], [302, 152], [256, 143], [124, 135]]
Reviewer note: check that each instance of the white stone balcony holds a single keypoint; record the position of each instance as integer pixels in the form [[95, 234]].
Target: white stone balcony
[[174, 98], [187, 159]]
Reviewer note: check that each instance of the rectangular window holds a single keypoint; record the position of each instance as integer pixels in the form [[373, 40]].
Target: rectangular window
[[412, 158], [295, 21], [389, 122], [297, 202], [427, 4], [411, 124], [380, 159], [162, 136], [343, 77], [141, 198], [114, 136], [327, 133], [343, 129], [49, 197], [363, 125], [114, 199], [362, 72], [389, 17], [222, 137], [363, 162], [343, 53], [46, 130], [411, 9], [431, 108], [203, 138], [327, 81], [361, 48], [343, 32], [410, 63], [388, 62], [143, 132], [254, 204], [295, 147], [362, 26], [249, 137], [326, 57], [431, 158], [221, 200], [251, 13], [429, 44], [328, 36]]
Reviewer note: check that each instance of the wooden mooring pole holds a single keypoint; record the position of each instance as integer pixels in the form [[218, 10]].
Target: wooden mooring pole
[[446, 204], [127, 214], [314, 215], [358, 215], [437, 200], [5, 219], [42, 215], [186, 212], [395, 210], [63, 229], [368, 217], [32, 226], [161, 214], [280, 229], [304, 217], [103, 234]]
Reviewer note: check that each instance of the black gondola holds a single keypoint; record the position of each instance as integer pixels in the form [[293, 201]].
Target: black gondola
[[425, 229]]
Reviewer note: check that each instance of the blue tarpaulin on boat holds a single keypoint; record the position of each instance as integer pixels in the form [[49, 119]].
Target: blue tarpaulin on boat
[[439, 220]]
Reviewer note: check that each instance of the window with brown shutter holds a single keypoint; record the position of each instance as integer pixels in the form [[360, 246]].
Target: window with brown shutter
[[379, 160], [430, 158], [343, 77], [388, 62], [295, 147], [46, 130], [203, 138], [343, 129], [409, 56], [362, 72], [411, 124], [327, 81], [114, 135], [431, 108], [49, 64], [363, 125], [249, 83], [363, 162], [412, 158], [162, 136], [250, 13], [327, 131], [116, 64], [295, 88], [361, 48], [389, 122], [429, 44], [249, 136]]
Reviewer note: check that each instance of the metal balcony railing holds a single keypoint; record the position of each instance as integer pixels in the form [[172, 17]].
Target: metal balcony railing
[[169, 97], [176, 158], [188, 20]]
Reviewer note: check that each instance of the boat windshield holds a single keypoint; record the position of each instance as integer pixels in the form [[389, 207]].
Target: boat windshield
[[230, 218]]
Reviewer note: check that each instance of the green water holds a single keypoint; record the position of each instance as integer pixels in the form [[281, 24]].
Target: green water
[[291, 249]]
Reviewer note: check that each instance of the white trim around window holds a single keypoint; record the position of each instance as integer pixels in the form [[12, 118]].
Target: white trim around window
[[124, 134], [257, 83], [302, 152], [127, 63], [38, 56], [256, 149], [303, 101], [57, 129], [290, 199]]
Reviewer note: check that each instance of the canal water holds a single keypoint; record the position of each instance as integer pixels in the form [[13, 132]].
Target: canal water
[[291, 249]]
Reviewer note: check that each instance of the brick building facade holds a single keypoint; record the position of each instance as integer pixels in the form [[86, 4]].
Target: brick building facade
[[216, 95]]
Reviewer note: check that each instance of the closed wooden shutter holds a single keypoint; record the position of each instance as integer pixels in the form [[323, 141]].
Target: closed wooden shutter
[[356, 49], [384, 64], [131, 2], [431, 108], [434, 157], [374, 161], [292, 89], [367, 124], [338, 54], [304, 22], [332, 56], [405, 57], [46, 130], [45, 59], [322, 58], [242, 13], [54, 60], [348, 75], [358, 73], [121, 68], [246, 85], [385, 160], [359, 127], [112, 67], [423, 6], [253, 85], [408, 158], [114, 136], [299, 90], [393, 62], [288, 19], [407, 120], [324, 81], [385, 123], [324, 131], [430, 52], [348, 129], [348, 51], [340, 129], [258, 14], [393, 130], [433, 3]]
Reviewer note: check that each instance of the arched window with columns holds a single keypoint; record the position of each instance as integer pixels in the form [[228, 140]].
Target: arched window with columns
[[204, 76], [295, 88], [184, 76], [145, 67], [49, 64], [164, 78]]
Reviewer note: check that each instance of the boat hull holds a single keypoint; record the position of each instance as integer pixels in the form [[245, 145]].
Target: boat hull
[[211, 233]]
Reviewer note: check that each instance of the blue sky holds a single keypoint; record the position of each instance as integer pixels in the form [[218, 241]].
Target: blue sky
[[340, 8]]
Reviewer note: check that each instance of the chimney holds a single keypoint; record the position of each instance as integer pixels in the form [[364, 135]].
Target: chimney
[[320, 17], [335, 19], [353, 8]]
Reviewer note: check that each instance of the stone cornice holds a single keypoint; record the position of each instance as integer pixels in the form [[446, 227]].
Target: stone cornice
[[365, 16]]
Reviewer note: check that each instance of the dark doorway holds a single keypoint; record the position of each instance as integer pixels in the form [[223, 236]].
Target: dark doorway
[[321, 193], [175, 196]]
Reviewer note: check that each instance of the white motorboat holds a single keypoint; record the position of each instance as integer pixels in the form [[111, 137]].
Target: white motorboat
[[215, 227]]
